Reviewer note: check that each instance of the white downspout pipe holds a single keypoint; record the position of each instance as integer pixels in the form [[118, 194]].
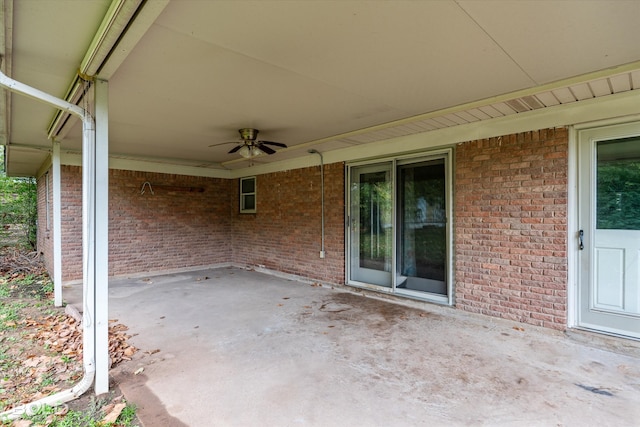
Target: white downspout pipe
[[88, 325]]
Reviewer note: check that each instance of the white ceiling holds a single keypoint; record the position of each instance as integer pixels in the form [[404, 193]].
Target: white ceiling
[[308, 72]]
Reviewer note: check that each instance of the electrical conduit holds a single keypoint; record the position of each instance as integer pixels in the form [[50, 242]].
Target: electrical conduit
[[313, 151]]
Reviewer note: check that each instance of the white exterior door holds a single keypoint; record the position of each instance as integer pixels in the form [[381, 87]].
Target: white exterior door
[[609, 221]]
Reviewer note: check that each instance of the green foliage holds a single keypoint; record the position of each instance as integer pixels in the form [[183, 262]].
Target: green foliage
[[10, 314], [618, 196], [18, 211], [4, 289], [90, 417]]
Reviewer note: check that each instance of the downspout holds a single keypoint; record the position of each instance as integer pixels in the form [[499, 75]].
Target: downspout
[[88, 325], [312, 151]]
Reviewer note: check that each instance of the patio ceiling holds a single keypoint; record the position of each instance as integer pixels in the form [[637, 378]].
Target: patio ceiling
[[184, 75]]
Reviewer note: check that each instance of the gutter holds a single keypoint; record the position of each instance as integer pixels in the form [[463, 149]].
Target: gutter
[[110, 32], [88, 323]]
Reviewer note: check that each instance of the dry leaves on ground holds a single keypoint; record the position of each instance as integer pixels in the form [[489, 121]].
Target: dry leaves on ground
[[47, 350], [63, 334]]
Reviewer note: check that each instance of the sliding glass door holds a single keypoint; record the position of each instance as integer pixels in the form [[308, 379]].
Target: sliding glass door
[[371, 225], [398, 227], [422, 227]]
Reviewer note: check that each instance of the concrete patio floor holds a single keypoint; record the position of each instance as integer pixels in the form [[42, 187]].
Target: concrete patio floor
[[242, 348]]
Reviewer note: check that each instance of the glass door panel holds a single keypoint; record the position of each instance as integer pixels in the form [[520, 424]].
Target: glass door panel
[[422, 227], [371, 224]]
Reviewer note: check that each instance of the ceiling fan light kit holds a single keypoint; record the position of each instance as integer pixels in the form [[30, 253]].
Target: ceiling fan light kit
[[249, 151]]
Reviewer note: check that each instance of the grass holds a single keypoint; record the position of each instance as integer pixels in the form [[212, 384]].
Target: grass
[[92, 416], [10, 315]]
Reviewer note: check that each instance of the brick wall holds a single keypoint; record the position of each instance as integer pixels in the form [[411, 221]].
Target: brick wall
[[176, 229], [511, 225], [285, 232], [172, 228], [71, 219], [45, 230]]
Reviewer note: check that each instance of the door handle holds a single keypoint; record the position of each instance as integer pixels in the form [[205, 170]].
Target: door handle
[[581, 236]]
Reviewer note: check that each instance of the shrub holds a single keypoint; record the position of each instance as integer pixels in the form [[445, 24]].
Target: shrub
[[18, 210]]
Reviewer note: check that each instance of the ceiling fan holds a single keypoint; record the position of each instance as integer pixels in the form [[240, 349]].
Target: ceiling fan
[[249, 146]]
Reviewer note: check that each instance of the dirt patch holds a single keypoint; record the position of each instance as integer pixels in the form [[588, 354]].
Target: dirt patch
[[150, 408], [349, 306]]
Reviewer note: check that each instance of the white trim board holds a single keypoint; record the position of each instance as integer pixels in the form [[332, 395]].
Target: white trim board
[[613, 107]]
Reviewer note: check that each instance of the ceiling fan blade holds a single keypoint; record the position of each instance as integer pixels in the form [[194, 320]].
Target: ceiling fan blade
[[236, 148], [266, 149], [223, 143], [277, 144]]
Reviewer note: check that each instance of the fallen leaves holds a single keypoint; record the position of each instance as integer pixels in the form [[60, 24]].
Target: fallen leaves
[[35, 375], [119, 349], [63, 334], [40, 346], [114, 413], [48, 358]]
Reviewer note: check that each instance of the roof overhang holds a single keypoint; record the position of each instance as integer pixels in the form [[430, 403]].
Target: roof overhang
[[335, 77]]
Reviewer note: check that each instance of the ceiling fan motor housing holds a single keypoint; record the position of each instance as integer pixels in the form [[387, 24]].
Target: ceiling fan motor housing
[[248, 134]]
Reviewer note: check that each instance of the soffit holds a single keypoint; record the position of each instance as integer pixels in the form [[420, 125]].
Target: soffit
[[327, 75]]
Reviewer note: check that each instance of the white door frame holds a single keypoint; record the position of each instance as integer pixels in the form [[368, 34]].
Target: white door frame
[[573, 225]]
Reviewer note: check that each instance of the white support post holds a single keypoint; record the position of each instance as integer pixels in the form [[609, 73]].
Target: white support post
[[101, 224], [88, 241], [57, 224], [88, 247]]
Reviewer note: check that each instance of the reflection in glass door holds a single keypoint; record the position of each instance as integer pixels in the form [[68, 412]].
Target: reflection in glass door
[[422, 227], [371, 227]]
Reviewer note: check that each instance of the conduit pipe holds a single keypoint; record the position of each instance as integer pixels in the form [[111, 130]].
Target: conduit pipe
[[88, 235], [313, 151]]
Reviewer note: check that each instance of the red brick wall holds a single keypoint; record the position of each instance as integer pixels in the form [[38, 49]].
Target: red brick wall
[[285, 232], [71, 219], [177, 229], [45, 234], [510, 227], [171, 228]]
